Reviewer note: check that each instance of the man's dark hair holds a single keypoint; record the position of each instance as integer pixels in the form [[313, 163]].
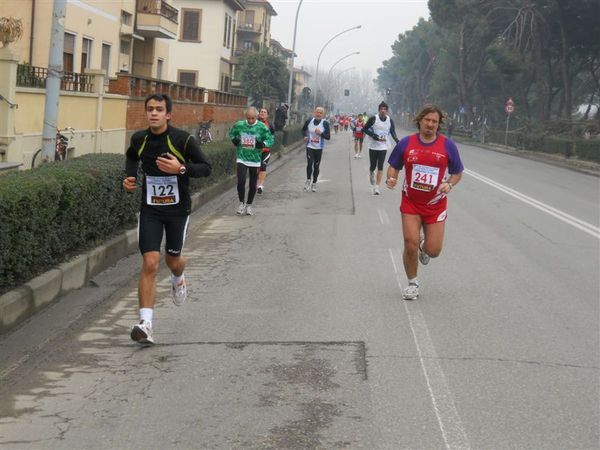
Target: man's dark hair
[[160, 98], [383, 105], [426, 109]]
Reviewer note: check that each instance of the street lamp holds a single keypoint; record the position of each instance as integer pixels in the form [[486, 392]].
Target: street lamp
[[321, 52], [340, 60], [291, 82]]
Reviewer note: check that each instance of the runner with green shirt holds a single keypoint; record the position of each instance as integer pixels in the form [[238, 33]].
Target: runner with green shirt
[[250, 136]]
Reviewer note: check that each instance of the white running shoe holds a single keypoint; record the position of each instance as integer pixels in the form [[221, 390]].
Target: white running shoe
[[178, 292], [260, 190], [372, 178], [423, 257], [313, 187], [249, 210], [142, 333], [411, 292], [307, 184], [376, 190], [241, 209]]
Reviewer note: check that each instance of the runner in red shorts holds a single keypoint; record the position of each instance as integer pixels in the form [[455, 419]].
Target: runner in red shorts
[[425, 156]]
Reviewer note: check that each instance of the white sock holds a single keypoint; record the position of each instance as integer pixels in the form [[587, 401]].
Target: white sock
[[177, 279], [413, 281], [146, 314]]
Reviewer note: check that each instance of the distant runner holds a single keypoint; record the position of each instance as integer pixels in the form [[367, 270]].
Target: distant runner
[[263, 116], [378, 128], [315, 130]]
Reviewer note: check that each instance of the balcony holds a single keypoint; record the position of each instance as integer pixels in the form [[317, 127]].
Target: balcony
[[254, 28], [156, 19]]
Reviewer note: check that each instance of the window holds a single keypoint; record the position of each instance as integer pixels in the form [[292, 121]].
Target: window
[[248, 46], [225, 82], [86, 54], [68, 52], [227, 31], [125, 18], [125, 46], [249, 19], [159, 68], [105, 63], [187, 77], [190, 25]]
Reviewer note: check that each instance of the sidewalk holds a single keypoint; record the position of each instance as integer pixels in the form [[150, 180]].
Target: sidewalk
[[24, 301]]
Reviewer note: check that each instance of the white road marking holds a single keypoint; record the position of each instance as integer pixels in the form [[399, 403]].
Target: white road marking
[[449, 421], [383, 216], [567, 218]]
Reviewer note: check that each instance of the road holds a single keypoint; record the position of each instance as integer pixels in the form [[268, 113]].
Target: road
[[296, 336]]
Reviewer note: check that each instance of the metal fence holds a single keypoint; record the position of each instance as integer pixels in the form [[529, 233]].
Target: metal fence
[[35, 77]]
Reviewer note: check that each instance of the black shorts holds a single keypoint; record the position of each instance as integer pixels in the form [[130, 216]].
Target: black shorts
[[377, 159], [264, 161], [150, 232]]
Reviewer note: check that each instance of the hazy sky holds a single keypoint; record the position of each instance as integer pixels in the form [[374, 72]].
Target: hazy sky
[[320, 20]]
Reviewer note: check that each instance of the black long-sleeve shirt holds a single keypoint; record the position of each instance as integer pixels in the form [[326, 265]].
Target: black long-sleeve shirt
[[369, 125], [146, 147]]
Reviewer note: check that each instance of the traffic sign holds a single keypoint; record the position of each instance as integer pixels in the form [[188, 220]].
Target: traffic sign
[[509, 106]]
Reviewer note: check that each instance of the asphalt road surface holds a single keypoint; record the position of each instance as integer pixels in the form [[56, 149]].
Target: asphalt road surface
[[295, 335]]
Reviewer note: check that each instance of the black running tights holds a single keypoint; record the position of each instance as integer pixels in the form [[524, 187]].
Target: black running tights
[[313, 161], [241, 186]]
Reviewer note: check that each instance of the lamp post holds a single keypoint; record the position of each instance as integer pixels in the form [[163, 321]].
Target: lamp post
[[291, 82], [336, 63], [319, 58]]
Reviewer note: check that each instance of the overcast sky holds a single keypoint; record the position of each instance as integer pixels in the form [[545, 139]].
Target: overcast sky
[[320, 20]]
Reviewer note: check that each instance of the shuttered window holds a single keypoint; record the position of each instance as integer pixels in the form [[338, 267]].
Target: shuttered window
[[190, 26]]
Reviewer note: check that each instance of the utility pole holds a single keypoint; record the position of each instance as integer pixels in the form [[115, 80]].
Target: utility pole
[[291, 81], [55, 70]]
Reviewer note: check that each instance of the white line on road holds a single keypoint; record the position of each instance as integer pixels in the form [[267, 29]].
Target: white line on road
[[449, 421], [383, 216], [567, 218]]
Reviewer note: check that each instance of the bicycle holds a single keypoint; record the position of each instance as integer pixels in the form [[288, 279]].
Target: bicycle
[[203, 134], [61, 149]]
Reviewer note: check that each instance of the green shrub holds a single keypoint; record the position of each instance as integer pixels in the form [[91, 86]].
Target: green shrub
[[588, 150], [292, 134]]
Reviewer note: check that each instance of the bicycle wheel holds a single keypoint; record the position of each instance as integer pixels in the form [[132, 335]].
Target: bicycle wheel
[[36, 160]]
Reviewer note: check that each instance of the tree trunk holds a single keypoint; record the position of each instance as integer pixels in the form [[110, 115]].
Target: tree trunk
[[564, 65]]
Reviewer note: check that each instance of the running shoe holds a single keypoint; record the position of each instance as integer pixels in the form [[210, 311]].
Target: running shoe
[[313, 187], [178, 292], [249, 210], [372, 178], [411, 292], [376, 190], [423, 257], [307, 184], [142, 333], [259, 190], [241, 209]]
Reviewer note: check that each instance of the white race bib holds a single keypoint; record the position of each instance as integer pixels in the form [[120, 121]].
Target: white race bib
[[162, 191], [424, 178], [248, 141]]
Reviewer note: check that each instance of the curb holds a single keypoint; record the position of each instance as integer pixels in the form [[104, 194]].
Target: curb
[[24, 301]]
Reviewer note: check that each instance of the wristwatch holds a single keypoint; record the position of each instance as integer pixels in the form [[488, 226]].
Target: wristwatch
[[182, 170]]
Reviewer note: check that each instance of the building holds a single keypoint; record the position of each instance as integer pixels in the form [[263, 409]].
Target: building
[[201, 55], [279, 50], [116, 36], [253, 33]]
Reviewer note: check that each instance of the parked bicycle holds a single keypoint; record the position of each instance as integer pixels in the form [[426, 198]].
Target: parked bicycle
[[61, 149], [204, 136]]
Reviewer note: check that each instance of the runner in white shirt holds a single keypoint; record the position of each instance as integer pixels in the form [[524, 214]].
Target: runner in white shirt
[[378, 128]]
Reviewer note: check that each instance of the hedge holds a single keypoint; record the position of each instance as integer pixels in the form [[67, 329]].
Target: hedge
[[57, 210], [588, 150]]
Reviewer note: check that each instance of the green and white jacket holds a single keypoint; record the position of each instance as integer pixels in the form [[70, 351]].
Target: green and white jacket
[[248, 152]]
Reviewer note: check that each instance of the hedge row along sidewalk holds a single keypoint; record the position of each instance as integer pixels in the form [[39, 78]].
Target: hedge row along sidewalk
[[63, 223]]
